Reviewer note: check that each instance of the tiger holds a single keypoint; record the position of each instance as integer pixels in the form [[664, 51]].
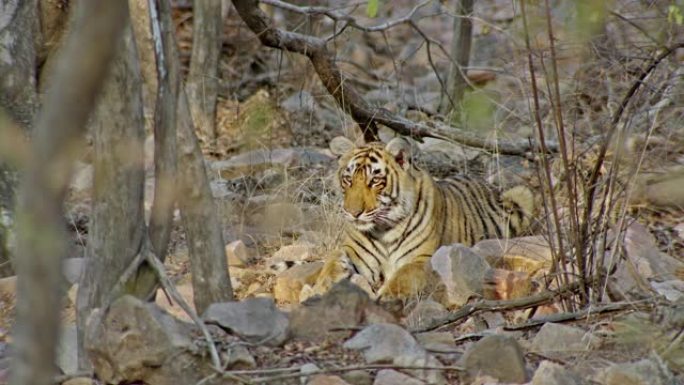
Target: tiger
[[397, 216]]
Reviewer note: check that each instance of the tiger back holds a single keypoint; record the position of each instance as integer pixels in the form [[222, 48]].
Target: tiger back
[[397, 216]]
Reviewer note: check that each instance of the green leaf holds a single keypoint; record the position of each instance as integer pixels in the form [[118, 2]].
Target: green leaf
[[372, 8], [674, 15]]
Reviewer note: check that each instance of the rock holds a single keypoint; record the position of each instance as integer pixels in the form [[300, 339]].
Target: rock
[[259, 160], [550, 373], [553, 337], [236, 254], [307, 370], [644, 372], [425, 313], [672, 290], [67, 350], [290, 255], [527, 254], [461, 271], [358, 377], [392, 377], [79, 381], [299, 101], [72, 268], [136, 342], [237, 357], [82, 180], [497, 356], [382, 343], [344, 306], [255, 320], [289, 283], [8, 286], [72, 293], [505, 284], [186, 292], [442, 342], [278, 217], [647, 261], [323, 379]]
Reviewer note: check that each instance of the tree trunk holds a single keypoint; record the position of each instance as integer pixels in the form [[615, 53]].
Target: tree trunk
[[202, 84], [460, 56], [167, 82], [210, 279], [42, 239], [18, 36], [18, 31], [117, 227]]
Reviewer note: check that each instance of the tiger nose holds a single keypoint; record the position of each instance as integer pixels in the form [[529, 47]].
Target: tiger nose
[[355, 212]]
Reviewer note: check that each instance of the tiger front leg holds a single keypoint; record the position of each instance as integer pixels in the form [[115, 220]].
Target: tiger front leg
[[338, 267], [408, 281]]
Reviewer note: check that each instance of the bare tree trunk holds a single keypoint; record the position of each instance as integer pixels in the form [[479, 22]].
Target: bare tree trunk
[[18, 37], [117, 227], [42, 239], [202, 83], [460, 56], [210, 280], [167, 80]]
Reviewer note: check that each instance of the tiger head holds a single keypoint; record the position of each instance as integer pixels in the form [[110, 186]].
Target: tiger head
[[378, 181]]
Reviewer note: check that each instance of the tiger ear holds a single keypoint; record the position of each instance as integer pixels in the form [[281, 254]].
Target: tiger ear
[[340, 145], [401, 150]]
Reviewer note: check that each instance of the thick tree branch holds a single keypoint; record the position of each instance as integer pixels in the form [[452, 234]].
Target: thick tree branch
[[366, 115]]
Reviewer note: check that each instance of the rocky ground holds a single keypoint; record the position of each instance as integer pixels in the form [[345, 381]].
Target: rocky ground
[[272, 176]]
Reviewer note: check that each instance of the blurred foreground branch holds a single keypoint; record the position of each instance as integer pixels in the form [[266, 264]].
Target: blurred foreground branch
[[346, 96], [42, 244]]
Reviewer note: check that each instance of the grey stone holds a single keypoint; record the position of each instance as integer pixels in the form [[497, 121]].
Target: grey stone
[[390, 343], [344, 306], [461, 271], [238, 357], [498, 356], [644, 372], [425, 313], [393, 377], [256, 320], [67, 350], [258, 160], [550, 373], [384, 343], [72, 268], [553, 337], [307, 370], [357, 377], [299, 101], [135, 341]]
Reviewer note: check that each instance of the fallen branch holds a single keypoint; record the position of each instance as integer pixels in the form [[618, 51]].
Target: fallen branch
[[346, 96], [585, 313], [298, 374], [501, 305]]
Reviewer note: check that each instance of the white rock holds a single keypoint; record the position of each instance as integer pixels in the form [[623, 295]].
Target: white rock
[[461, 271]]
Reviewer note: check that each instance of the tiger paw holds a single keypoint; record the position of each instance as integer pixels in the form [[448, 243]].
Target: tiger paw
[[336, 268], [409, 281]]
